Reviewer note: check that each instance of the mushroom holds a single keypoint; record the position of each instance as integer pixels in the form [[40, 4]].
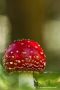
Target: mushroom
[[24, 56]]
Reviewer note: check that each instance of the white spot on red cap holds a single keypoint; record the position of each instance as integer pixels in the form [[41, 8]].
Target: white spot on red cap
[[41, 61], [11, 52], [10, 68], [37, 62], [26, 59], [30, 64], [22, 43], [12, 56], [44, 63], [36, 46], [11, 62], [31, 51], [19, 61], [36, 66], [22, 60], [41, 52], [15, 63], [16, 60], [23, 64], [27, 64], [17, 51], [37, 57], [23, 52], [30, 57], [29, 41]]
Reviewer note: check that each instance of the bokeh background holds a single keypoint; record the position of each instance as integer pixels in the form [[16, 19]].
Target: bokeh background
[[38, 20]]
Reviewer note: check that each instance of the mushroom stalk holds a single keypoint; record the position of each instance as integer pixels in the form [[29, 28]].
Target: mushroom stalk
[[26, 79]]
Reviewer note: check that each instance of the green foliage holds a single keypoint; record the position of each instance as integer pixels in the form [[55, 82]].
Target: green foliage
[[47, 81]]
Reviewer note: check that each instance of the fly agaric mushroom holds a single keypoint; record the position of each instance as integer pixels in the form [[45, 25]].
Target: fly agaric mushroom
[[24, 56]]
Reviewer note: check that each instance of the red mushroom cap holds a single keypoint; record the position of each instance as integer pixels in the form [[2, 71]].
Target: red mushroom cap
[[24, 55]]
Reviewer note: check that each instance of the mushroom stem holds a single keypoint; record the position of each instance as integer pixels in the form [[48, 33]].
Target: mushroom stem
[[26, 79]]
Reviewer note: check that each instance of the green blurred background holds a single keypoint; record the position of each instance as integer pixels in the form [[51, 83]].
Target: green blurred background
[[38, 20]]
